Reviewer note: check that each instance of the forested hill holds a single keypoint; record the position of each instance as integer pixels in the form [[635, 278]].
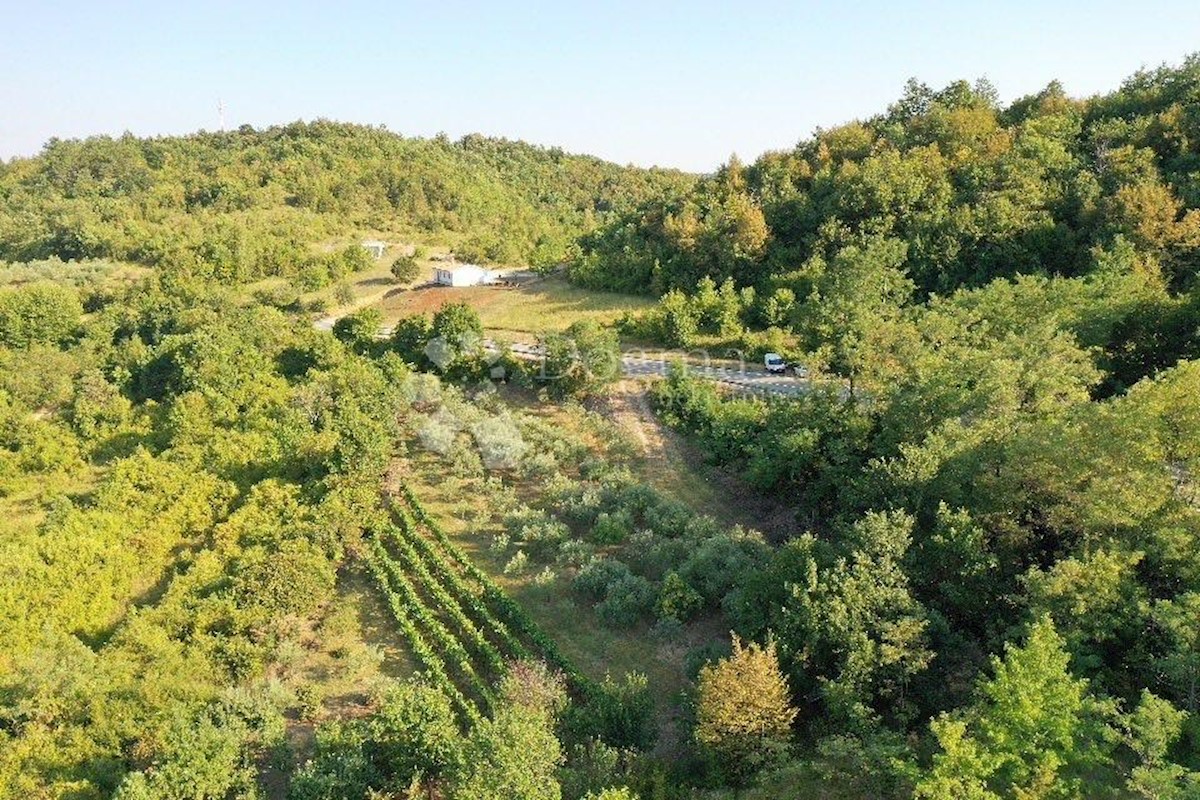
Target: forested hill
[[971, 189], [248, 203]]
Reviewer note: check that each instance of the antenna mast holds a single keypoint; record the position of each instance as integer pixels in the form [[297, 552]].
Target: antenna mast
[[221, 114]]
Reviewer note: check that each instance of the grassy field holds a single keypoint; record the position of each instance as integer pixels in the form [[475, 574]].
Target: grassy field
[[549, 304], [99, 274]]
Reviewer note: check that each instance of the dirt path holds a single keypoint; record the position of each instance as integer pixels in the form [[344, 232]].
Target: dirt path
[[674, 465]]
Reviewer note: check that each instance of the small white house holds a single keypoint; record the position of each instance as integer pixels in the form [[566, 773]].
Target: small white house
[[462, 275], [375, 247]]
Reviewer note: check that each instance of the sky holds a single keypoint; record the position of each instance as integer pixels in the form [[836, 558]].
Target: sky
[[676, 84]]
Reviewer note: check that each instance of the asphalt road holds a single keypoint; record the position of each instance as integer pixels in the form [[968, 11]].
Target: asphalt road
[[754, 380], [749, 379]]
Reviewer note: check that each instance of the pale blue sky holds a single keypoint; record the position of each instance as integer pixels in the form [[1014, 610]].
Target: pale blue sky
[[669, 83]]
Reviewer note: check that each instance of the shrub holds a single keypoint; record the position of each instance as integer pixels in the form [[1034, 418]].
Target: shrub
[[517, 564], [544, 536], [292, 581], [667, 629], [718, 563], [539, 465], [668, 518], [597, 575], [579, 504], [626, 601], [308, 700], [676, 599], [436, 436], [612, 528], [575, 553], [500, 443], [40, 313], [464, 461], [652, 556]]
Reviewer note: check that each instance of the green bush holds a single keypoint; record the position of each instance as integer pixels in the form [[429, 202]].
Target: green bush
[[39, 313], [294, 581], [597, 575], [627, 601], [676, 599], [611, 528]]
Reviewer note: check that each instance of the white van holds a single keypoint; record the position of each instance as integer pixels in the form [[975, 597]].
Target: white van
[[774, 363]]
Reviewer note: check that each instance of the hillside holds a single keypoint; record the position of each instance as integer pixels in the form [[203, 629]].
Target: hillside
[[250, 203], [243, 556], [973, 190]]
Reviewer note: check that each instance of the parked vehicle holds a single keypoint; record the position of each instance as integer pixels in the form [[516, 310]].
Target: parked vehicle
[[798, 369], [774, 363]]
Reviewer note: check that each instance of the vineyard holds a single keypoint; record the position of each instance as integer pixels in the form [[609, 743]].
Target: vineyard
[[462, 628]]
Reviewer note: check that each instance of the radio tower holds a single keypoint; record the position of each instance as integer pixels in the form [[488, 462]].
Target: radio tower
[[221, 114]]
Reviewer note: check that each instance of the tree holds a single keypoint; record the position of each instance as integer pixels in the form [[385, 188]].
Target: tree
[[1034, 732], [411, 742], [456, 339], [862, 288], [40, 313], [743, 710], [410, 337], [1180, 662], [580, 361], [851, 632], [675, 320], [515, 754], [1150, 731], [414, 736], [406, 269], [360, 330]]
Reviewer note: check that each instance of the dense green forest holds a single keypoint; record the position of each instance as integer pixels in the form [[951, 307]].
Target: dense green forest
[[251, 203], [987, 586]]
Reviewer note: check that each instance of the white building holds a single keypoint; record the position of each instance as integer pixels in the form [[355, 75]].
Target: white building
[[462, 275], [375, 247]]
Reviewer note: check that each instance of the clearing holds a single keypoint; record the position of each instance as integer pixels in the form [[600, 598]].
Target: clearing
[[517, 313], [676, 467]]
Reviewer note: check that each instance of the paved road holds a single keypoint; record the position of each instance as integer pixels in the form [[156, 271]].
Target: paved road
[[749, 379]]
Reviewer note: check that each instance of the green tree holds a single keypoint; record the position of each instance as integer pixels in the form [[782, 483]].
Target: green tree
[[405, 269], [1150, 731], [512, 756], [1034, 732], [40, 313], [414, 737], [859, 290], [581, 361], [360, 330], [1180, 660], [851, 631], [456, 340]]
